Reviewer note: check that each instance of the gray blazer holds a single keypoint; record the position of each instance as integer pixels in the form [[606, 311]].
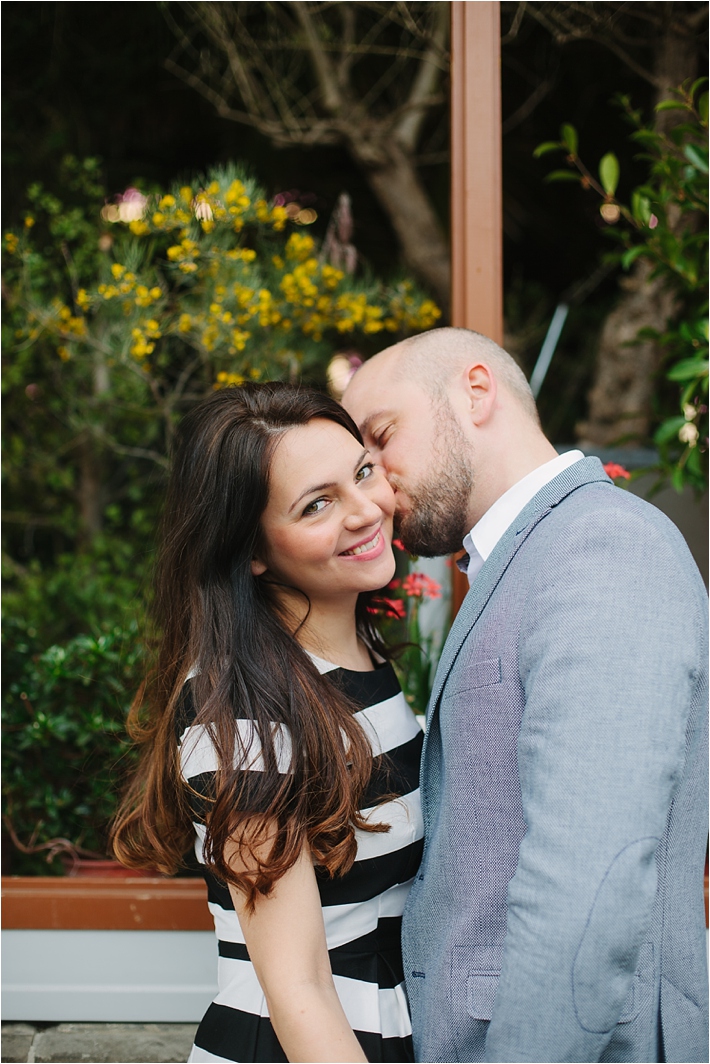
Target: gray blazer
[[558, 913]]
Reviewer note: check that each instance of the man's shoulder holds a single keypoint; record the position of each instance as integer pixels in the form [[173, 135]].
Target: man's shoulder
[[599, 518]]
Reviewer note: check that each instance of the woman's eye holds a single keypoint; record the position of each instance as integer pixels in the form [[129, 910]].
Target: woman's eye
[[315, 507], [365, 471]]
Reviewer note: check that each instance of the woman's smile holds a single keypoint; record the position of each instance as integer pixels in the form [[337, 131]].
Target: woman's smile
[[367, 550]]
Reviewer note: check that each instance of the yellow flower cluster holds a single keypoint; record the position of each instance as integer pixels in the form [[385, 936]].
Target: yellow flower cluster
[[184, 254], [226, 380], [210, 206], [11, 242], [144, 338], [69, 324], [299, 247]]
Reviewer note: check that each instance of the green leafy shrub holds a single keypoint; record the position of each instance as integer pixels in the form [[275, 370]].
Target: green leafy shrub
[[65, 750], [667, 225]]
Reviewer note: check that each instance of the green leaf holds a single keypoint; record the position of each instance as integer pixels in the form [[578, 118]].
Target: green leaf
[[632, 254], [562, 175], [695, 86], [640, 207], [693, 464], [549, 145], [569, 138], [703, 108], [609, 173], [671, 105], [669, 430], [698, 158], [687, 369], [678, 478]]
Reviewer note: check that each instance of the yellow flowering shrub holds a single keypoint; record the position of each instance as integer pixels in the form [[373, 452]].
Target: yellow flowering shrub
[[208, 281]]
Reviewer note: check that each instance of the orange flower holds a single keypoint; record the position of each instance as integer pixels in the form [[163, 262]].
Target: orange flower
[[394, 607], [616, 472], [419, 585]]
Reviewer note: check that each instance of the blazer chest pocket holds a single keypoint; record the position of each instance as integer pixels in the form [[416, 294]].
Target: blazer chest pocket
[[485, 673]]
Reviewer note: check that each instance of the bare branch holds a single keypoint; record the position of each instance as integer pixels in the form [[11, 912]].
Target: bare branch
[[528, 106], [327, 79], [515, 24], [425, 83]]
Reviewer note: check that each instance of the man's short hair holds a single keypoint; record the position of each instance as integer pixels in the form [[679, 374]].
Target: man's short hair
[[434, 357]]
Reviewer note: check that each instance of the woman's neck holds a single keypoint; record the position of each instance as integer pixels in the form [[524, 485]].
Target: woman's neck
[[330, 632]]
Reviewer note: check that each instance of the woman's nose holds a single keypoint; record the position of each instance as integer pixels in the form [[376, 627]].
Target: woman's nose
[[364, 511]]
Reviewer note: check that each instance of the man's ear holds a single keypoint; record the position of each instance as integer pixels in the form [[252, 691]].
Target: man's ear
[[482, 392], [257, 567]]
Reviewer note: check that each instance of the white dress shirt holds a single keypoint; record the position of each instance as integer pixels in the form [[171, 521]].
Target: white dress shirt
[[484, 535]]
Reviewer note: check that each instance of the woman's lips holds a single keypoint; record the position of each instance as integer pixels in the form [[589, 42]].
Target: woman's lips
[[368, 549]]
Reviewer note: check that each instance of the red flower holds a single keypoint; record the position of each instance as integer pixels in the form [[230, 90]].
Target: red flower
[[394, 607], [399, 545], [419, 585], [616, 472]]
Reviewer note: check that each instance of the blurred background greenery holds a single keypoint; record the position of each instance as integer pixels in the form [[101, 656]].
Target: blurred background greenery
[[103, 99]]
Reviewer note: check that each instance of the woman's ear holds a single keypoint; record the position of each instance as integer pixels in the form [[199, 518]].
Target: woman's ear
[[257, 567], [482, 392]]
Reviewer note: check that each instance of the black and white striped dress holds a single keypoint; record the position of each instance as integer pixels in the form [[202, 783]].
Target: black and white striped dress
[[362, 910]]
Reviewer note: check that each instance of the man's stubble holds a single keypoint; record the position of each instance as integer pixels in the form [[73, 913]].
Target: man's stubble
[[438, 518]]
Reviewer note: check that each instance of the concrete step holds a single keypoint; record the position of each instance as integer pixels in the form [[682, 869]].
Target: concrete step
[[98, 1043]]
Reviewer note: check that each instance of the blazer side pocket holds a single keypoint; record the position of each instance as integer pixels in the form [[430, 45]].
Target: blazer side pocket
[[481, 990], [476, 674]]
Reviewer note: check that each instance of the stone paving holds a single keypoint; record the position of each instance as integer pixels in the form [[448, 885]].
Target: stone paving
[[99, 1043]]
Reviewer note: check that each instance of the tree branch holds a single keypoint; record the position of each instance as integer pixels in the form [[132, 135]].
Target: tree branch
[[425, 82], [327, 79], [528, 106]]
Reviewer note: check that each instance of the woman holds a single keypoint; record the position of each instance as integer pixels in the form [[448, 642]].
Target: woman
[[275, 723]]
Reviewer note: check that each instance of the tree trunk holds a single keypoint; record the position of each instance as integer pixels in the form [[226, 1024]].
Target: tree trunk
[[90, 495], [90, 492], [621, 395], [404, 200]]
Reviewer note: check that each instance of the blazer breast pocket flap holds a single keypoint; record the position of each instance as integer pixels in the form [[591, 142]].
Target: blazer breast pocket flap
[[476, 674], [481, 994]]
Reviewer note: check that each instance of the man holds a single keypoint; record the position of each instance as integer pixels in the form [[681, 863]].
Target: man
[[558, 913]]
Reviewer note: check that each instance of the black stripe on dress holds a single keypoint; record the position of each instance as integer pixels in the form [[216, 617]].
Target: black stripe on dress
[[366, 879], [366, 689], [228, 1032]]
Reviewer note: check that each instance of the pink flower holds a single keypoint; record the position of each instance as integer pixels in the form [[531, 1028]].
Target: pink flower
[[398, 544], [616, 472], [396, 607], [131, 205], [419, 585]]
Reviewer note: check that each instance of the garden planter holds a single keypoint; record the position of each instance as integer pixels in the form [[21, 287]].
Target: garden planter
[[112, 948]]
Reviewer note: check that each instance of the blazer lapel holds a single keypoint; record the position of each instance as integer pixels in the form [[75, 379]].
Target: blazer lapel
[[586, 471]]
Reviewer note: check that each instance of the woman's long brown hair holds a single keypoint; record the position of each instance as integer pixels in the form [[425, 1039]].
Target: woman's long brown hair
[[221, 625]]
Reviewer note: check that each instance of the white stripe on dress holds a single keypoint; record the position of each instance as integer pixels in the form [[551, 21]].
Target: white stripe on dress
[[367, 1006], [387, 725], [343, 923]]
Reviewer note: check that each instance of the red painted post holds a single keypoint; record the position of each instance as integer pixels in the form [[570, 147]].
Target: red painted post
[[476, 180]]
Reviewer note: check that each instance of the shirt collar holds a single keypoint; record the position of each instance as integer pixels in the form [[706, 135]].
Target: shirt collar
[[485, 534]]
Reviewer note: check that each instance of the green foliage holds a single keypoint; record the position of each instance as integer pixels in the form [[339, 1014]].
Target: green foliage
[[667, 225], [65, 749], [119, 316]]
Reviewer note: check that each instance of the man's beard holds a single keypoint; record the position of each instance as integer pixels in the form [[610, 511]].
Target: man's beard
[[437, 520]]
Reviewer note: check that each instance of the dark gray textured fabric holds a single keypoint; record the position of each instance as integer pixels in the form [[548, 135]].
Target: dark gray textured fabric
[[558, 914]]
